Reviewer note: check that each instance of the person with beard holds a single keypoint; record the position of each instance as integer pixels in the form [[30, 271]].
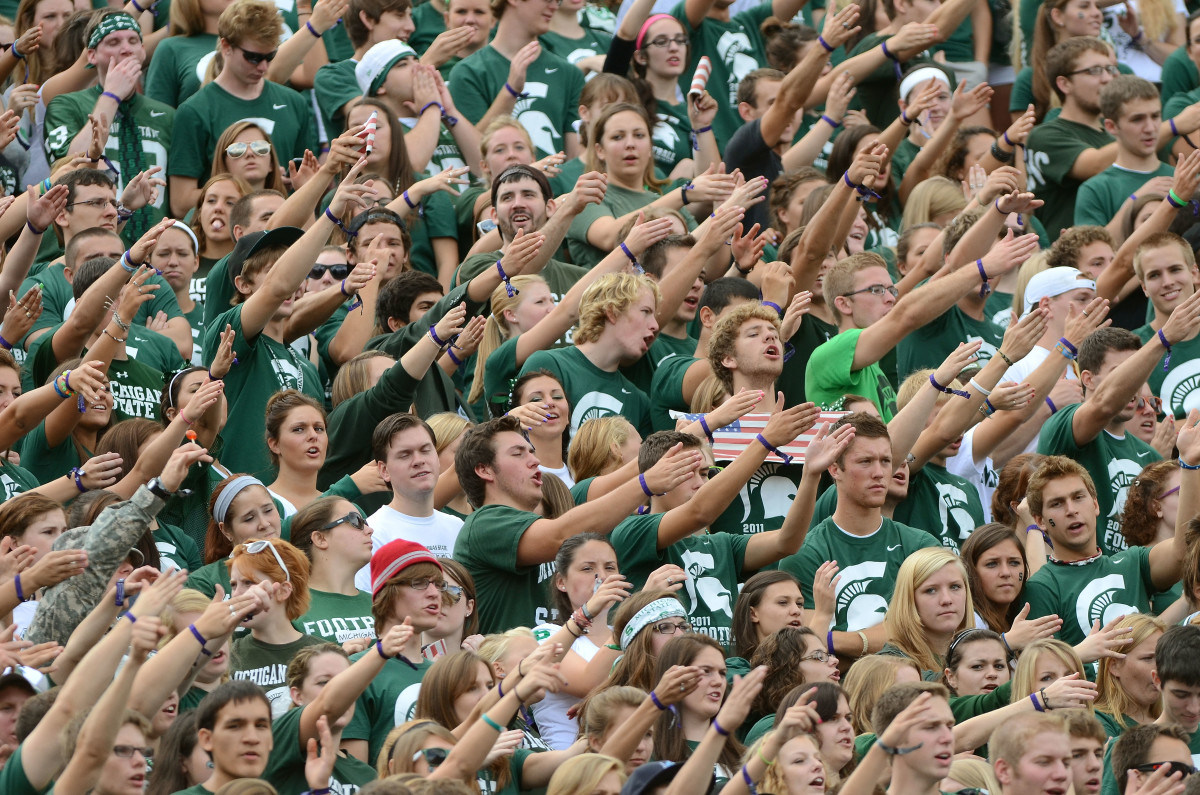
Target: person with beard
[[617, 324]]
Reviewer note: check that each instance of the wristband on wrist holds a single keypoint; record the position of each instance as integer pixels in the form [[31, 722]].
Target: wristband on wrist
[[516, 94], [1050, 403], [77, 474], [111, 96], [945, 390], [890, 751], [457, 361], [132, 618], [1045, 701], [1068, 350], [203, 643], [312, 30], [829, 642], [787, 459], [379, 649], [695, 136], [707, 430], [825, 44], [863, 191], [1162, 338], [338, 223], [748, 780], [895, 61], [975, 385], [654, 699], [436, 339], [1003, 356], [127, 263], [441, 108], [5, 344], [34, 229], [1030, 528], [1004, 640], [1184, 136], [637, 266], [719, 729], [1004, 156], [511, 291], [830, 122], [1174, 200], [984, 288], [1008, 140], [866, 643], [1037, 705], [21, 597], [488, 720], [1185, 465], [646, 487], [774, 306], [683, 191]]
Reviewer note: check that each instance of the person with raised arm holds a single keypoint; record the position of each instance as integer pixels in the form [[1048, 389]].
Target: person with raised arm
[[503, 542]]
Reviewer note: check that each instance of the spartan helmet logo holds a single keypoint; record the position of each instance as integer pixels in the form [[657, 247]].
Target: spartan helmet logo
[[952, 510], [594, 405], [1098, 601], [406, 703], [702, 588], [1181, 388], [861, 609], [287, 372], [665, 134], [775, 493], [1121, 473]]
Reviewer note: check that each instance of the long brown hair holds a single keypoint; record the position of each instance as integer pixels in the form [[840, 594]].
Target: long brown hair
[[636, 666], [400, 174], [745, 632], [650, 180], [196, 226], [670, 744], [781, 652], [1045, 36], [1139, 523], [450, 676], [985, 537]]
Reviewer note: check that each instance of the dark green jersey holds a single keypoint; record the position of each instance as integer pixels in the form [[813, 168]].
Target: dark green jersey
[[942, 504], [333, 87], [593, 42], [430, 24], [1179, 75], [388, 701], [176, 550], [139, 137], [1101, 196], [666, 391], [671, 139], [763, 502], [867, 568], [266, 664], [279, 111], [285, 766], [1101, 588], [1178, 383], [548, 112], [713, 563], [1051, 152], [929, 345], [15, 479], [177, 68], [593, 392], [736, 49], [336, 617], [877, 94], [1113, 463], [487, 546]]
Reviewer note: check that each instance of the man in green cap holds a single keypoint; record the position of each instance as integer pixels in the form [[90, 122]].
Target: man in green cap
[[139, 129]]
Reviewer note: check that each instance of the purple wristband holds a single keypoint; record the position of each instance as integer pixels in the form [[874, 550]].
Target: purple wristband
[[1163, 339], [1050, 403], [825, 44], [203, 643], [311, 29], [5, 344], [773, 305], [646, 487], [787, 459], [707, 431], [985, 288], [830, 122]]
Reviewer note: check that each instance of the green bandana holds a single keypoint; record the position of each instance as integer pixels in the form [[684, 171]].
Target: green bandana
[[111, 24]]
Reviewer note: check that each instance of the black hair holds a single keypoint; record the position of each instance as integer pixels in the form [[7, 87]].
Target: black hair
[[720, 293], [1175, 656], [398, 295]]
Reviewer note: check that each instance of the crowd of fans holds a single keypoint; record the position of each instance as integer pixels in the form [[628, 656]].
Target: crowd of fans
[[543, 395]]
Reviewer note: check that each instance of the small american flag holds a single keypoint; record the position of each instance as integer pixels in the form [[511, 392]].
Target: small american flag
[[730, 441]]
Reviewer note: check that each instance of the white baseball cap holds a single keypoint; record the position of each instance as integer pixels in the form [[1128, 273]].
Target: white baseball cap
[[1052, 282], [371, 71]]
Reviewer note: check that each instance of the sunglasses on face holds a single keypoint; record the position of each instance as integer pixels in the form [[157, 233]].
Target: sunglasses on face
[[354, 519], [258, 57], [239, 149], [254, 547], [1176, 767], [433, 756], [338, 272], [454, 593], [1154, 403]]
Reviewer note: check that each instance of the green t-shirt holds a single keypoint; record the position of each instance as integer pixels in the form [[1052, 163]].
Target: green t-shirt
[[797, 352], [736, 49], [867, 568], [279, 111], [208, 577], [1101, 196], [176, 70], [928, 346], [285, 766], [58, 300], [498, 377], [336, 617], [266, 664], [140, 124], [666, 391], [487, 546], [48, 463], [13, 780], [1179, 75], [560, 278], [264, 367], [548, 112], [1178, 383], [943, 504], [763, 502], [1104, 587], [1052, 150], [593, 42], [664, 347], [16, 479], [878, 92], [1114, 463], [829, 376], [388, 701], [902, 159], [713, 562], [429, 23], [218, 291], [617, 202], [176, 550], [333, 87], [670, 141], [593, 392]]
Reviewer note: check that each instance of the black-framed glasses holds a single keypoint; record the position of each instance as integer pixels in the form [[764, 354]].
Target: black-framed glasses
[[1153, 401], [354, 519], [877, 290], [818, 655], [239, 149], [339, 272], [666, 41], [127, 751], [424, 582], [258, 57], [433, 756], [454, 593], [1096, 71], [671, 627], [99, 204], [1176, 767]]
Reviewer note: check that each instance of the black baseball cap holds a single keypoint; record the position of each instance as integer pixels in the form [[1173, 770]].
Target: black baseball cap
[[254, 242]]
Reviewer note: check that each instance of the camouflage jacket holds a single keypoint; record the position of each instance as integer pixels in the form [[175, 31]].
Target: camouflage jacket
[[107, 543]]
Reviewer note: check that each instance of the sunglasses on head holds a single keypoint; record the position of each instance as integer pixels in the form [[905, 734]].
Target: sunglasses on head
[[258, 57], [254, 547], [239, 149], [1176, 767], [339, 272], [354, 519]]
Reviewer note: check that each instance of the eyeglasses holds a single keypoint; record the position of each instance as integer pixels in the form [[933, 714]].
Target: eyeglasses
[[127, 751], [454, 592], [433, 756], [424, 582], [670, 627], [354, 519], [258, 57], [239, 149], [99, 204], [254, 547], [1153, 401], [877, 290], [1096, 71], [665, 41], [339, 272], [1176, 767], [820, 655]]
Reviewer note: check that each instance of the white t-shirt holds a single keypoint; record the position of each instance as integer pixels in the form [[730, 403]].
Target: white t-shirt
[[983, 475], [563, 474], [557, 730], [1021, 371], [437, 533]]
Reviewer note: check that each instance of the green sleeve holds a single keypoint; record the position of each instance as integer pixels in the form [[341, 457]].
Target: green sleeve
[[218, 292], [161, 83], [582, 222], [1091, 201], [579, 492], [63, 123], [803, 566], [1179, 76], [1061, 150], [965, 707], [1057, 435], [468, 92], [1041, 598], [636, 541], [439, 215], [189, 140]]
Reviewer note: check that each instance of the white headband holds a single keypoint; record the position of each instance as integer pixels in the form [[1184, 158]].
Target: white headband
[[230, 492], [651, 613], [920, 77], [188, 231]]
